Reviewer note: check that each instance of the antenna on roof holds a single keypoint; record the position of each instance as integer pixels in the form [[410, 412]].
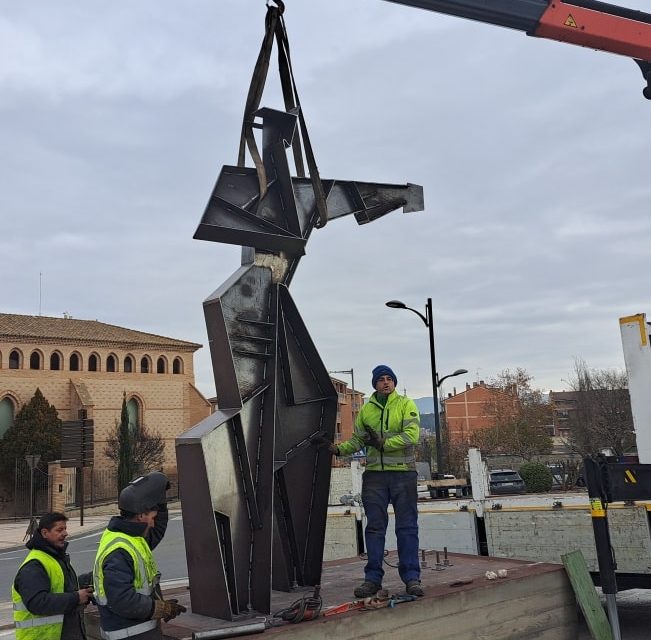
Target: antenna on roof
[[40, 291]]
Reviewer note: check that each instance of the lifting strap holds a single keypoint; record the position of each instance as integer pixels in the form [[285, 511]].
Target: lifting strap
[[275, 29]]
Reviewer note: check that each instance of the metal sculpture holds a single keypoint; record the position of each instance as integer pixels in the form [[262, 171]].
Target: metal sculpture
[[254, 490]]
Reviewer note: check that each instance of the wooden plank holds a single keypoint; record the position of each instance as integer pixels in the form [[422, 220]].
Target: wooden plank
[[586, 594], [447, 482]]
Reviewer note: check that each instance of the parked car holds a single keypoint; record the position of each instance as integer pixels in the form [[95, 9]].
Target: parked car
[[505, 481]]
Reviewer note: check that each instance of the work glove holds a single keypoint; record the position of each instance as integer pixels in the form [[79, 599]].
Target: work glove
[[320, 442], [167, 609], [373, 438]]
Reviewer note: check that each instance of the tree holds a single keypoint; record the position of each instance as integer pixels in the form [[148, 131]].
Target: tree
[[36, 430], [602, 418], [521, 416], [126, 467], [135, 450], [537, 477], [426, 450]]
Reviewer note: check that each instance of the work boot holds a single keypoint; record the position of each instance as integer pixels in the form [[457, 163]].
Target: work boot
[[415, 588], [367, 589]]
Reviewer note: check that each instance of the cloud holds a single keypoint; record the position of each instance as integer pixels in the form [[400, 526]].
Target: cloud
[[115, 121]]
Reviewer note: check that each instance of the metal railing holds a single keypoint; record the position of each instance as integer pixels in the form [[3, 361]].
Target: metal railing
[[101, 487]]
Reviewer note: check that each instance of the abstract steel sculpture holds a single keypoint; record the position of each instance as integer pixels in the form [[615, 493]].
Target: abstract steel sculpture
[[254, 489]]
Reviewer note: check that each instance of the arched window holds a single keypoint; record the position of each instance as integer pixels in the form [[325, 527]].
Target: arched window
[[111, 363], [14, 359], [145, 364], [177, 365], [55, 361], [133, 409], [93, 362], [7, 411], [75, 362], [128, 364], [35, 360], [161, 365]]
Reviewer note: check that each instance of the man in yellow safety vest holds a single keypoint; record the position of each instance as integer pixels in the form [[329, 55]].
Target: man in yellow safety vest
[[125, 573], [48, 602]]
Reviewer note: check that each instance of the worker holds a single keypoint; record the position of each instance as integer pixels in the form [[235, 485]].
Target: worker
[[126, 577], [388, 425], [48, 601]]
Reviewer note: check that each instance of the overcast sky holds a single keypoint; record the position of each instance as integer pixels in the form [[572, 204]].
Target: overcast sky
[[115, 119]]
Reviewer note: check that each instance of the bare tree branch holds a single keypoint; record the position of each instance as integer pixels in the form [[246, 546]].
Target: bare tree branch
[[602, 418]]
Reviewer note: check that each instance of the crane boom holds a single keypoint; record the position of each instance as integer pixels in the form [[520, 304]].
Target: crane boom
[[587, 23]]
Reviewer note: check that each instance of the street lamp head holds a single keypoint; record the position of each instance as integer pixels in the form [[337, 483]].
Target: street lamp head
[[396, 304], [457, 372]]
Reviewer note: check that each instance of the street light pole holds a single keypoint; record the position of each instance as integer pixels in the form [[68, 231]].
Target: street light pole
[[435, 387], [428, 320]]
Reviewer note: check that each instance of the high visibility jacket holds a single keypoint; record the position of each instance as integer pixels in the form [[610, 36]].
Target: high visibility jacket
[[145, 576], [28, 625], [398, 422]]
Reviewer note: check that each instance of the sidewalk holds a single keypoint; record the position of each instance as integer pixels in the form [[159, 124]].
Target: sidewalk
[[12, 532]]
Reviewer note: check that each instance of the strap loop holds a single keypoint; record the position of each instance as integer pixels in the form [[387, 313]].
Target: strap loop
[[275, 29]]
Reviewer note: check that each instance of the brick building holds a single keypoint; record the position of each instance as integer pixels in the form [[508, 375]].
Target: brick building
[[563, 408], [469, 411], [86, 364], [349, 402]]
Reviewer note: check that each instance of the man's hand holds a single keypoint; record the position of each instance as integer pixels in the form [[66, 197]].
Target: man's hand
[[373, 438], [167, 609], [321, 441], [85, 595]]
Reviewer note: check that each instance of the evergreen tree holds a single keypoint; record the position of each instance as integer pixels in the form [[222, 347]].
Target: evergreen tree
[[133, 451], [36, 430], [126, 466]]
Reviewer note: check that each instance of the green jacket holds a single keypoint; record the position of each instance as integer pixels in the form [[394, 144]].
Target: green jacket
[[398, 423]]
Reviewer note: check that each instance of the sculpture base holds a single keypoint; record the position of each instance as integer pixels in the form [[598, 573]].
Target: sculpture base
[[533, 600]]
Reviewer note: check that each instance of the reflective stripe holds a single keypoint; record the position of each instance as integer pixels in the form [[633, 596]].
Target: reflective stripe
[[20, 606], [391, 460], [406, 423], [147, 590], [129, 632], [399, 459], [39, 621]]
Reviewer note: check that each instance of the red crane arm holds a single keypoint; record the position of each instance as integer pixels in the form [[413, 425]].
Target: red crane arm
[[591, 28], [588, 23]]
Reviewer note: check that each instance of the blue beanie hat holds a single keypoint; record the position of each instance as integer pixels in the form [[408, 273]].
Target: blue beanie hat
[[383, 370]]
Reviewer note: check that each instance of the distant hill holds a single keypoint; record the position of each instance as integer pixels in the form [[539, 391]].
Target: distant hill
[[425, 405]]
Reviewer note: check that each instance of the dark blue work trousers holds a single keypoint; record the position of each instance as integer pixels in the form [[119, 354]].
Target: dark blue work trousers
[[379, 488]]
